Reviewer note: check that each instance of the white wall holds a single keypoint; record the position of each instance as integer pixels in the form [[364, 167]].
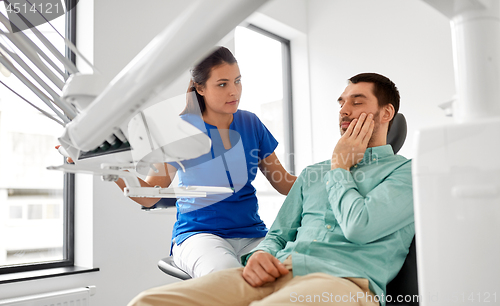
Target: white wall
[[406, 41]]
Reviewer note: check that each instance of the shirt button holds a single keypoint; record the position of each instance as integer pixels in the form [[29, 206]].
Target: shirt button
[[327, 182], [315, 240], [374, 159], [328, 226], [355, 166]]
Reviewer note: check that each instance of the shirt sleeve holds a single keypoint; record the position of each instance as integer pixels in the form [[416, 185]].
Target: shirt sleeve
[[285, 225], [174, 164], [267, 142], [385, 209]]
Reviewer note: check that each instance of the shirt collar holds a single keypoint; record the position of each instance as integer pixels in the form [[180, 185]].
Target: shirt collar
[[373, 154]]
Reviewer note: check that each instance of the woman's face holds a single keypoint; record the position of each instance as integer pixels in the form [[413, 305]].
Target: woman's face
[[222, 90]]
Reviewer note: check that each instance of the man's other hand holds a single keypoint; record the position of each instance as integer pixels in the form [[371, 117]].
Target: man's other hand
[[263, 268]]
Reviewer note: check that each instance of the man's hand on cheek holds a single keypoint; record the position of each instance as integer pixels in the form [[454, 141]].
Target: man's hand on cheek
[[352, 145]]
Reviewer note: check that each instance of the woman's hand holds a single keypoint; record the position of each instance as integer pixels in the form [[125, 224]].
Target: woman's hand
[[68, 159]]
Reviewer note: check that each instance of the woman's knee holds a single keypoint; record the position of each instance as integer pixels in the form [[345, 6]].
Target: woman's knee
[[213, 264]]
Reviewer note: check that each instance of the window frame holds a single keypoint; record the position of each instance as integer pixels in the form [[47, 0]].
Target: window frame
[[287, 95], [68, 190]]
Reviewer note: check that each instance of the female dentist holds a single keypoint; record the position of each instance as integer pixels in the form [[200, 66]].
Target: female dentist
[[211, 233]]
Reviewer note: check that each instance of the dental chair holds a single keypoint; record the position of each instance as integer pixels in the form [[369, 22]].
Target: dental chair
[[168, 266], [405, 283]]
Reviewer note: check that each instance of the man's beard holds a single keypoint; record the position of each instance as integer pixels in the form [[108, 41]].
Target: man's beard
[[375, 128]]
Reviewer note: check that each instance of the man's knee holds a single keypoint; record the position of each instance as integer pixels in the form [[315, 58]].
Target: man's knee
[[143, 299]]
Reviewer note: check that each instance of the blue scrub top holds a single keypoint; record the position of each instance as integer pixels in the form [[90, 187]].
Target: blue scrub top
[[226, 215]]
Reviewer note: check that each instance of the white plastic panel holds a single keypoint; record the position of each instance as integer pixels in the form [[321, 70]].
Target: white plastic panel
[[457, 213]]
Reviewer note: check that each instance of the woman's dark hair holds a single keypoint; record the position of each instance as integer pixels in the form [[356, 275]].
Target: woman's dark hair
[[200, 73], [383, 88]]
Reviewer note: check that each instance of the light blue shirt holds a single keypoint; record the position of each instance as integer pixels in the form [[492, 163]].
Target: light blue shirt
[[356, 223]]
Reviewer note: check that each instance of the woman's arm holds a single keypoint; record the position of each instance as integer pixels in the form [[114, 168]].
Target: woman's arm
[[279, 178], [163, 178]]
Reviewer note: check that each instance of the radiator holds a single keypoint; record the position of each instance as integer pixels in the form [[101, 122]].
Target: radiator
[[73, 297]]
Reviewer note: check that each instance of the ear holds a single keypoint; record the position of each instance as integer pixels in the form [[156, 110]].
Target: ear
[[200, 89], [387, 113]]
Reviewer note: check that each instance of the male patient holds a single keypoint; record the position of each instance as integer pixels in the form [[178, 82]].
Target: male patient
[[343, 231]]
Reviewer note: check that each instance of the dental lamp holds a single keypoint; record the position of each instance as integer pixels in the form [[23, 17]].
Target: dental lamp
[[106, 129]]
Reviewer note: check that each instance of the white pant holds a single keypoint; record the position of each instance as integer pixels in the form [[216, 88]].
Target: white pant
[[202, 254]]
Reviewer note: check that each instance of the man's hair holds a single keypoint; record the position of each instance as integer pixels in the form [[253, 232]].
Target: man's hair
[[383, 88]]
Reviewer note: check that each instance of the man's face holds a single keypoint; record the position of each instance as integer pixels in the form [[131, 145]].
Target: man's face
[[357, 99]]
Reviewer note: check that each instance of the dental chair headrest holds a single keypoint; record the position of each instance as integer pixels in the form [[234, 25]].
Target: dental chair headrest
[[397, 134]]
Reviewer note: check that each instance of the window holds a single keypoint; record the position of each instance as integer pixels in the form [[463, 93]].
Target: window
[[36, 205], [264, 61]]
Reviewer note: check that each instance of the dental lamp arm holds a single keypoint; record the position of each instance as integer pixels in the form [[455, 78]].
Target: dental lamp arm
[[140, 191], [162, 178], [101, 121], [185, 41]]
